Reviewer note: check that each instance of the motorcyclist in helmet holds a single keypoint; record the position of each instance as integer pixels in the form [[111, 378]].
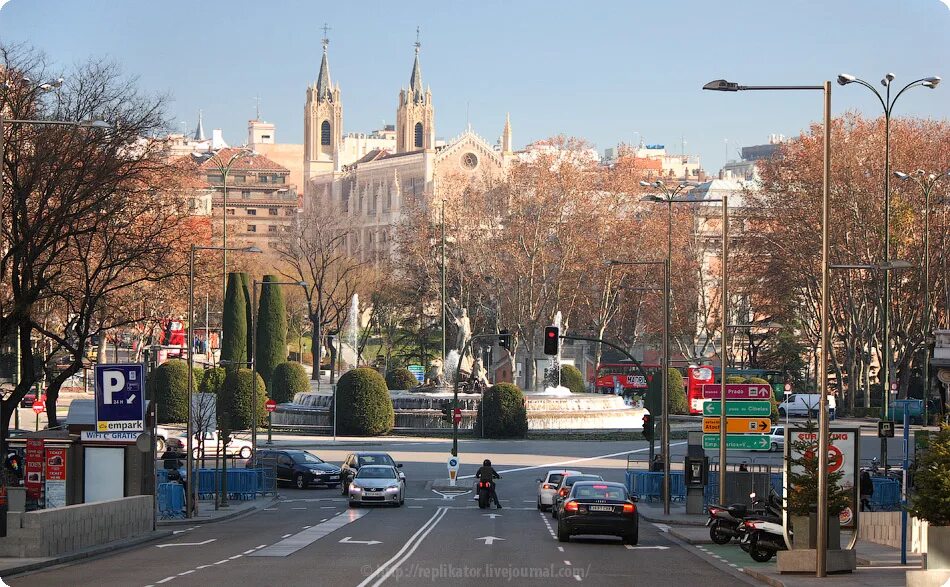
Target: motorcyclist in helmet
[[487, 473]]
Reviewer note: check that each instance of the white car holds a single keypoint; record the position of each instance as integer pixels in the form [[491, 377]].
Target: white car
[[236, 447], [547, 487], [380, 484], [777, 438]]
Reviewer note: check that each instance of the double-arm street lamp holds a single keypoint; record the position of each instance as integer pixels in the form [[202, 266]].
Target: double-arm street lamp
[[254, 312], [225, 169], [665, 393], [926, 182], [822, 536], [887, 103], [192, 482]]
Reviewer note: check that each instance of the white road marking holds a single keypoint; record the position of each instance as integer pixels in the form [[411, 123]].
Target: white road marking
[[186, 543], [188, 572], [568, 563], [349, 540], [415, 507], [251, 550], [199, 567], [560, 548], [631, 547], [662, 527], [571, 462], [308, 536], [261, 545], [492, 516], [237, 556], [299, 508], [221, 562], [405, 552], [489, 539], [286, 535], [165, 580], [578, 577], [326, 507]]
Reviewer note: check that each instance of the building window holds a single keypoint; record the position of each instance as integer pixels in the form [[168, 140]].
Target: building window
[[246, 194], [262, 178], [419, 135], [230, 211], [325, 133], [289, 212], [252, 228], [272, 228], [272, 211], [216, 179], [251, 212]]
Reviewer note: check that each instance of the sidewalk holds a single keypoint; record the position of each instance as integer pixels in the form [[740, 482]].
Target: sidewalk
[[207, 513], [878, 565]]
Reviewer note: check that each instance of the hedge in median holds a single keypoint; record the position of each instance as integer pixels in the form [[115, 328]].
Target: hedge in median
[[365, 407], [401, 378], [168, 384], [234, 340], [504, 413], [270, 342], [235, 400], [289, 378]]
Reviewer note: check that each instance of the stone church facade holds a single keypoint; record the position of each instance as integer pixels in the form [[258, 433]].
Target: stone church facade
[[373, 192]]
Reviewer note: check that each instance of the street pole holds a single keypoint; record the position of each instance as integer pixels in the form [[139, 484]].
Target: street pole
[[666, 385], [724, 348], [189, 457], [822, 538], [442, 270], [254, 413]]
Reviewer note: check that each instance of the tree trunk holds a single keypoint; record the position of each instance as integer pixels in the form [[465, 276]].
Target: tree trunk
[[529, 375], [315, 348], [52, 392]]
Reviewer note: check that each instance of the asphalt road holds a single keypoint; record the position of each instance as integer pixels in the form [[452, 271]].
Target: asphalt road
[[312, 537]]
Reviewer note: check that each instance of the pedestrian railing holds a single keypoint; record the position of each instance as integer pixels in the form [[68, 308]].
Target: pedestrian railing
[[171, 501]]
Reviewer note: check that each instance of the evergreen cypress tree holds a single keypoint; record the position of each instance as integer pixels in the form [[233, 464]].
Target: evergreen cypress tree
[[271, 340], [234, 338], [248, 320]]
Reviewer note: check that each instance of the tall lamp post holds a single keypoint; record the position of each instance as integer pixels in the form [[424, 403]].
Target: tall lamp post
[[822, 537], [665, 389], [225, 169], [887, 103], [254, 312], [927, 183], [669, 197], [189, 457]]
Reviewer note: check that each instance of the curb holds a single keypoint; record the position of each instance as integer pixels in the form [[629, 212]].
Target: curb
[[763, 578], [88, 553], [688, 540], [669, 522], [229, 516]]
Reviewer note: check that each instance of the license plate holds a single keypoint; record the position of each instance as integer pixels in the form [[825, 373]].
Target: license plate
[[334, 477], [601, 508]]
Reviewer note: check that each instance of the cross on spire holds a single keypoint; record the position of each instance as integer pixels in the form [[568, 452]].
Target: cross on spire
[[417, 43], [326, 40]]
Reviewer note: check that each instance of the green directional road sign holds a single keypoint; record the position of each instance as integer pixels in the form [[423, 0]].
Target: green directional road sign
[[738, 441], [738, 408]]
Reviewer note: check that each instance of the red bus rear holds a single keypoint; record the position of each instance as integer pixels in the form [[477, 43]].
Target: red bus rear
[[627, 376], [696, 377]]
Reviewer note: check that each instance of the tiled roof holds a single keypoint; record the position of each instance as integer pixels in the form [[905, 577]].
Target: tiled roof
[[188, 176], [248, 162]]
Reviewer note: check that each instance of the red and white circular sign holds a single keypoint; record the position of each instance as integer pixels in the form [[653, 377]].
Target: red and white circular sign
[[835, 459], [270, 405], [39, 406]]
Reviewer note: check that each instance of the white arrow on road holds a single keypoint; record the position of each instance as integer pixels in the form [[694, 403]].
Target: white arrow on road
[[208, 541], [348, 540], [630, 547], [492, 516], [489, 539]]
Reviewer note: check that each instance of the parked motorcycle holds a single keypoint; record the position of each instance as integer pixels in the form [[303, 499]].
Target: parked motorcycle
[[764, 538], [726, 522]]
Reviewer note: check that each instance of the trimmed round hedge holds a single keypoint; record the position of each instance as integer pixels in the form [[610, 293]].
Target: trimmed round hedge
[[401, 378], [365, 407], [168, 384], [677, 391], [572, 379], [289, 379], [236, 397], [212, 380], [504, 413]]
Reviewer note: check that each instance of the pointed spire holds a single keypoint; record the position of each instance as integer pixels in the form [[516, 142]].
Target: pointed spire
[[415, 80], [324, 86], [506, 135], [200, 131]]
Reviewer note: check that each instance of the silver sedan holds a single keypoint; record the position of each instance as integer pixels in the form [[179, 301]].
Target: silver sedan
[[380, 484]]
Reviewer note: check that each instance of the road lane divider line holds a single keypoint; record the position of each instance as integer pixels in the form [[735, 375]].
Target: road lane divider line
[[388, 567], [572, 461], [311, 534]]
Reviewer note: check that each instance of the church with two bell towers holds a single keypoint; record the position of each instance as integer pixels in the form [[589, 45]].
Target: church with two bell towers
[[369, 178]]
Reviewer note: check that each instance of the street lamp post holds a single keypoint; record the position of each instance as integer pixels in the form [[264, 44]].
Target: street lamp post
[[887, 103], [822, 536], [225, 171], [927, 183], [189, 457], [665, 389], [254, 312]]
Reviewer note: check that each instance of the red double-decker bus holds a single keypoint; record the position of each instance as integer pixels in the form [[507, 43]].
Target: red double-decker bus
[[627, 376], [696, 377]]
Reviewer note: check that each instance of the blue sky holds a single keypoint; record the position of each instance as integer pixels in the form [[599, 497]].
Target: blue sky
[[604, 71]]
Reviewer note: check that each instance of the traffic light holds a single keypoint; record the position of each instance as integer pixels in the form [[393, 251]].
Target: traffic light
[[648, 427], [551, 340], [504, 340]]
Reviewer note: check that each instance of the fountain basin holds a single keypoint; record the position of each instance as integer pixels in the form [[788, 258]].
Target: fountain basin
[[424, 411]]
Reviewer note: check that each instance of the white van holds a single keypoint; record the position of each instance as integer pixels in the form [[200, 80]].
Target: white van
[[805, 405]]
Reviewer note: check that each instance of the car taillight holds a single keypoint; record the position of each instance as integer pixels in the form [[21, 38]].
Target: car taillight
[[749, 524], [570, 506], [547, 486], [629, 508]]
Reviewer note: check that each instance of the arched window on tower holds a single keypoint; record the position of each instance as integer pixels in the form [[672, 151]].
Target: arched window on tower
[[325, 133], [419, 135]]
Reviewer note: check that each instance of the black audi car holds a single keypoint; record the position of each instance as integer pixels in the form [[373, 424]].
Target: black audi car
[[298, 467], [599, 507]]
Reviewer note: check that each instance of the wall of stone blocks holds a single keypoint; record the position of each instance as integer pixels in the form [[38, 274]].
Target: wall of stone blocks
[[885, 528], [72, 528]]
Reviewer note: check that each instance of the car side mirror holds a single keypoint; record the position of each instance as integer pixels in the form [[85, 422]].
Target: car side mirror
[[538, 480], [634, 498], [399, 465]]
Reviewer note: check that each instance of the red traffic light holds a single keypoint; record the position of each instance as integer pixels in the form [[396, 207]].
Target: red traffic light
[[551, 340]]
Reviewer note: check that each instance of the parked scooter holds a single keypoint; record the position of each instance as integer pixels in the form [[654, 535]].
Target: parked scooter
[[763, 537], [725, 522]]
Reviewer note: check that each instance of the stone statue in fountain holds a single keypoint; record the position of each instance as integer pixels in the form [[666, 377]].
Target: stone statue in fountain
[[479, 375], [435, 376], [459, 315]]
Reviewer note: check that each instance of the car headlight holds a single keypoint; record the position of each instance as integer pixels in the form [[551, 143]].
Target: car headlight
[[355, 489], [392, 489], [315, 472]]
